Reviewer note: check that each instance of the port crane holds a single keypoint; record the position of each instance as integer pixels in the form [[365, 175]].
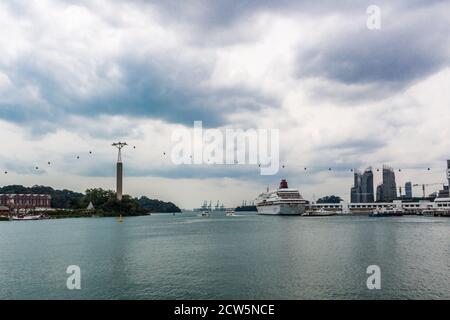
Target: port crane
[[424, 185]]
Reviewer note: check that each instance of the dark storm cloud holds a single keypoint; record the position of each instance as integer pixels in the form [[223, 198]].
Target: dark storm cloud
[[411, 45], [146, 90], [209, 15], [152, 92]]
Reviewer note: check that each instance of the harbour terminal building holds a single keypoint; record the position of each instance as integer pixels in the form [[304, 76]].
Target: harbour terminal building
[[25, 202], [362, 196], [408, 207]]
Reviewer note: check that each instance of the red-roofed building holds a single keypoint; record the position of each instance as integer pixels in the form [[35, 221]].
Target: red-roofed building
[[25, 201]]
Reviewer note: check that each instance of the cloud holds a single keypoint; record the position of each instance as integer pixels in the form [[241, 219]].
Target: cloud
[[76, 61], [77, 75], [372, 63]]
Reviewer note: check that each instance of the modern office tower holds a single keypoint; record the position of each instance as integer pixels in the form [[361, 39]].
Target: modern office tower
[[448, 171], [380, 196], [389, 187], [408, 190], [362, 190], [367, 186], [445, 192], [355, 193]]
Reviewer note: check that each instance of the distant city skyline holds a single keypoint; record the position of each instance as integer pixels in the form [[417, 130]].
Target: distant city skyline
[[75, 76]]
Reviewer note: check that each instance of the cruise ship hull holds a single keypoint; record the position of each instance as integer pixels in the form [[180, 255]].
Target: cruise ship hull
[[282, 209]]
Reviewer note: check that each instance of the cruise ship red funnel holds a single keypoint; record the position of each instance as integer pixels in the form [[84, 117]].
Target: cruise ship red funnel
[[283, 184]]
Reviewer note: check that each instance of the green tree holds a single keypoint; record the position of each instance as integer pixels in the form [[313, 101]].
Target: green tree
[[154, 205], [330, 199]]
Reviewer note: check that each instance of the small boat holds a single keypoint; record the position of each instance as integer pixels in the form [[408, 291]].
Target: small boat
[[27, 218], [229, 212], [319, 213], [205, 214], [120, 219], [383, 212], [442, 212]]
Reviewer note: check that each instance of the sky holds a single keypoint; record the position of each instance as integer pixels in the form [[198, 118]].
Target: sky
[[76, 76]]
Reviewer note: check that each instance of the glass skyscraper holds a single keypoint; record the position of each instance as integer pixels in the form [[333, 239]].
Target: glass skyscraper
[[362, 190]]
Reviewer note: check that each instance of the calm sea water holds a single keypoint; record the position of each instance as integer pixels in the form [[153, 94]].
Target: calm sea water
[[241, 257]]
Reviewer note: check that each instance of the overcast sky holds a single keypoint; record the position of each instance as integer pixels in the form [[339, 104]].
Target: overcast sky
[[76, 76]]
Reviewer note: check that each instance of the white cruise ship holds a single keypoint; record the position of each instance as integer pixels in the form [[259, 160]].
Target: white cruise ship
[[283, 201]]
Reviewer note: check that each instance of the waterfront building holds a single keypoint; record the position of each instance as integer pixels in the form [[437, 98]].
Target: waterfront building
[[387, 190], [445, 193], [380, 193], [448, 171], [408, 190], [389, 185], [410, 206], [26, 201], [367, 186], [354, 195], [355, 192], [362, 190]]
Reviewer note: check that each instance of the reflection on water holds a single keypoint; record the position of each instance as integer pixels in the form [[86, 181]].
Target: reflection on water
[[240, 257]]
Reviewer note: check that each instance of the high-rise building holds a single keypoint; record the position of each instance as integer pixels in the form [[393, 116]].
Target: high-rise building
[[408, 190], [380, 196], [362, 190], [355, 196], [448, 171], [367, 186], [387, 191], [445, 192]]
